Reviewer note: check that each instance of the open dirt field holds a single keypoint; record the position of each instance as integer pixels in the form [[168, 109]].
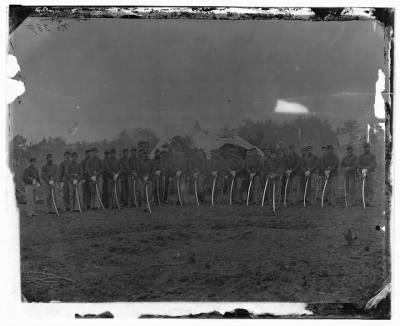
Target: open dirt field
[[204, 253]]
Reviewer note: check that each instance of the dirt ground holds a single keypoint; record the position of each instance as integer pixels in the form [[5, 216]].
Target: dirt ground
[[205, 253]]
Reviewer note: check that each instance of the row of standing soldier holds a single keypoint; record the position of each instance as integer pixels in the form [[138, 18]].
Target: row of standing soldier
[[134, 179]]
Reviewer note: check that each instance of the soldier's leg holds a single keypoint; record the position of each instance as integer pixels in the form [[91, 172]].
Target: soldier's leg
[[48, 199], [87, 193], [369, 186], [165, 185], [332, 183], [66, 196], [104, 192], [150, 191], [72, 197], [29, 200], [182, 187], [291, 190], [256, 189], [59, 196], [80, 195], [110, 193], [200, 186], [311, 191], [92, 194], [350, 190], [237, 190]]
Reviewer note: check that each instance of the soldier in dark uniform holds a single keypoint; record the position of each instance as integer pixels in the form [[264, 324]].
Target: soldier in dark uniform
[[104, 193], [166, 174], [85, 181], [236, 168], [113, 169], [309, 168], [49, 177], [349, 167], [180, 169], [145, 177], [133, 178], [31, 180], [276, 168], [293, 172], [94, 168], [367, 165], [124, 177], [330, 163], [198, 170], [74, 178], [63, 184], [156, 178]]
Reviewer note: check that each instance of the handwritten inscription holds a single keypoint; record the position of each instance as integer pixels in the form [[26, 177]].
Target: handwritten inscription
[[43, 28]]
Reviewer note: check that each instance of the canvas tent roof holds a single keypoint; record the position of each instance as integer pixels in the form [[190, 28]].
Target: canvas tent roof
[[209, 142], [239, 141]]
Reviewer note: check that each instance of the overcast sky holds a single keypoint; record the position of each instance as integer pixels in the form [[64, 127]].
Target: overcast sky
[[125, 74]]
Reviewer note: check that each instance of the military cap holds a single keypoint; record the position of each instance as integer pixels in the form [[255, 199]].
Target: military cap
[[67, 153], [349, 147], [94, 149], [49, 155], [113, 151], [88, 151], [323, 147], [125, 150], [308, 147], [32, 159], [106, 151]]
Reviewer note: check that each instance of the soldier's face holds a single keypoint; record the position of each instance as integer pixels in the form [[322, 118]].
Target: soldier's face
[[366, 149]]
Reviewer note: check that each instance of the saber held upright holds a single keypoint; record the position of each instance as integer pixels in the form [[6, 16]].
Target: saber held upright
[[178, 189], [54, 201], [116, 194], [323, 191], [213, 191], [265, 191], [147, 197], [98, 196], [286, 185], [363, 190], [273, 197], [248, 191], [231, 189], [195, 190], [305, 192]]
